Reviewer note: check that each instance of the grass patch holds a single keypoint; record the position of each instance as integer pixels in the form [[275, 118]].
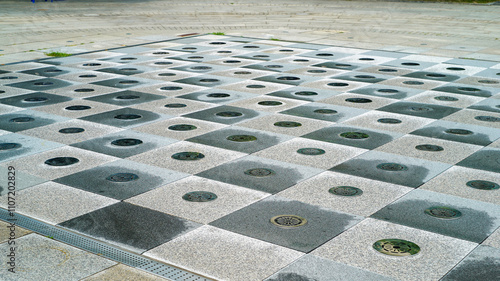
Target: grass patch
[[218, 33], [57, 54], [275, 39]]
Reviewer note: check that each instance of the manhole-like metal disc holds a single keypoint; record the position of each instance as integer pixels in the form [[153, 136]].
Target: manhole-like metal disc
[[435, 75], [9, 145], [259, 172], [346, 191], [62, 161], [413, 82], [389, 121], [287, 124], [175, 105], [122, 177], [443, 213], [306, 93], [364, 77], [270, 103], [396, 247], [354, 135], [22, 119], [455, 68], [311, 151], [88, 76], [387, 91], [199, 196], [171, 88], [77, 107], [209, 80], [218, 95], [126, 142], [167, 74], [483, 185], [128, 116], [182, 127], [84, 90], [338, 84], [325, 111], [288, 221], [358, 100], [71, 130], [487, 118], [242, 138], [429, 147], [420, 108], [387, 70], [229, 114], [43, 83], [488, 81], [188, 156], [128, 82], [392, 167], [445, 98], [255, 86], [468, 89], [288, 78], [35, 99], [458, 132], [127, 97]]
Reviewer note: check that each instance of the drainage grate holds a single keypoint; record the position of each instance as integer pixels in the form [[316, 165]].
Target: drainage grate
[[346, 191], [242, 138], [102, 249], [443, 213], [396, 247], [288, 221], [199, 196]]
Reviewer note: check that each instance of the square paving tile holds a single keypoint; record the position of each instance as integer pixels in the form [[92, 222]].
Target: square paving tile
[[464, 89], [345, 193], [125, 117], [353, 136], [14, 145], [77, 108], [305, 94], [420, 109], [187, 157], [82, 91], [287, 223], [124, 144], [71, 131], [54, 203], [180, 128], [487, 159], [59, 162], [413, 83], [218, 96], [459, 132], [267, 103], [34, 100], [226, 114], [120, 179], [430, 148], [438, 254], [384, 91], [239, 258], [476, 117], [27, 119], [218, 199], [43, 258], [261, 174], [311, 267], [22, 180], [467, 183], [493, 240], [323, 111], [124, 273], [444, 99], [359, 101], [88, 76], [174, 106], [123, 224], [285, 124], [126, 98], [482, 263], [240, 139], [387, 121], [169, 89], [444, 214], [312, 153], [126, 82], [392, 168]]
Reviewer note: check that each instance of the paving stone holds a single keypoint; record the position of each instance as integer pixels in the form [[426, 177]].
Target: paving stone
[[240, 257], [392, 168], [120, 179], [444, 214], [480, 263], [123, 272], [313, 227], [137, 235], [44, 258], [225, 199], [438, 254], [260, 174], [14, 146]]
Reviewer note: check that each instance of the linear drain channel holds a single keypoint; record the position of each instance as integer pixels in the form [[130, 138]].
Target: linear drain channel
[[101, 249]]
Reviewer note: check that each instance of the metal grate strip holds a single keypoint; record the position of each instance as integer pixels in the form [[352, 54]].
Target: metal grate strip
[[102, 249]]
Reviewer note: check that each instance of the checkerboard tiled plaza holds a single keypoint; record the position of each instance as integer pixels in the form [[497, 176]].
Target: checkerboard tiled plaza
[[352, 145]]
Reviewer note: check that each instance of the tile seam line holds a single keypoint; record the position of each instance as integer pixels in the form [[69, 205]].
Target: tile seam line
[[54, 233]]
